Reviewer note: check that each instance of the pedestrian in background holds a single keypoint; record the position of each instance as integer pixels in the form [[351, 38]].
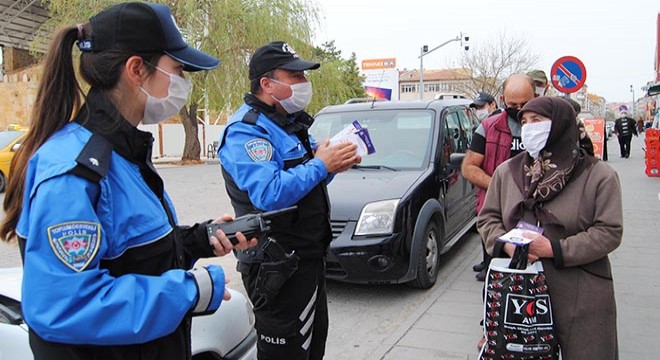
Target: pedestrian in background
[[540, 82], [576, 200], [625, 128], [106, 266], [496, 140], [640, 125], [270, 162], [485, 106]]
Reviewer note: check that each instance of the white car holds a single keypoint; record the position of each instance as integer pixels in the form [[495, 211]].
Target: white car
[[227, 334]]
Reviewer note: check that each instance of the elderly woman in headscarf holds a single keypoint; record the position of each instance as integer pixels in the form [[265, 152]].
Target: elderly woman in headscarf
[[576, 199]]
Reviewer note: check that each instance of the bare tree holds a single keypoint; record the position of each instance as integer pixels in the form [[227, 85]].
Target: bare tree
[[488, 65]]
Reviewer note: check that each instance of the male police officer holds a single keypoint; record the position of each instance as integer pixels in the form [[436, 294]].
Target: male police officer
[[270, 162]]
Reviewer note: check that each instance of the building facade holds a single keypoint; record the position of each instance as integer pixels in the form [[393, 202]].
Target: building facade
[[444, 81]]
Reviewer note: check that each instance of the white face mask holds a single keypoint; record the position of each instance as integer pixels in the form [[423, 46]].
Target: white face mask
[[540, 90], [481, 113], [158, 110], [301, 96], [535, 136]]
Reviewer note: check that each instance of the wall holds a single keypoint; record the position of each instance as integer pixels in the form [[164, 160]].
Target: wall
[[16, 59], [169, 139], [18, 92]]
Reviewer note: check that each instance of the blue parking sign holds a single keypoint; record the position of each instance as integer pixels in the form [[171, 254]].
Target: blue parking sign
[[568, 74]]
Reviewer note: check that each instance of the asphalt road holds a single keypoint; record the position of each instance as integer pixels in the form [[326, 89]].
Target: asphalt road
[[396, 322], [362, 317]]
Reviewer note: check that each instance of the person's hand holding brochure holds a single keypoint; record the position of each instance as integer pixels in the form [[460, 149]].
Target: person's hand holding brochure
[[520, 235], [356, 134]]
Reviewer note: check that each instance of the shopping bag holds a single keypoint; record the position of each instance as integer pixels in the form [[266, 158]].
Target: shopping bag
[[518, 322]]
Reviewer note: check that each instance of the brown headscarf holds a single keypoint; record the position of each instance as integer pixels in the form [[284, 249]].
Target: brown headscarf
[[541, 179]]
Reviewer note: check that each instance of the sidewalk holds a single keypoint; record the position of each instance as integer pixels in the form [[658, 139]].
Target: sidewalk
[[446, 326]]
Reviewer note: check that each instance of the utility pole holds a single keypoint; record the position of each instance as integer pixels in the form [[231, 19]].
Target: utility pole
[[633, 103], [425, 51]]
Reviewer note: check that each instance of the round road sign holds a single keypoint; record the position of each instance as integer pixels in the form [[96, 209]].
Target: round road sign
[[568, 74]]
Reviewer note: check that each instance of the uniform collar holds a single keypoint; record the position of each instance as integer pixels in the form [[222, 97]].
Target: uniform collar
[[101, 117]]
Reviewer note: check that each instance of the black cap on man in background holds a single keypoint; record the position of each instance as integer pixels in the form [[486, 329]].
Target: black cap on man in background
[[481, 99]]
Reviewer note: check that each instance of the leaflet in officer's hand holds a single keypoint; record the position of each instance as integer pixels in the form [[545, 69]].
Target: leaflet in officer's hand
[[515, 235], [356, 134]]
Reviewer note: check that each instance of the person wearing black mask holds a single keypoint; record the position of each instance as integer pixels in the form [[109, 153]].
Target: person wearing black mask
[[496, 140]]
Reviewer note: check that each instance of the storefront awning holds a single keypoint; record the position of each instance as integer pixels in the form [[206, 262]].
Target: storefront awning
[[654, 90]]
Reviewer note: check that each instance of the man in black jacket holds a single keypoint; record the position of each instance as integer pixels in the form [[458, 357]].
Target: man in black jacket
[[625, 128]]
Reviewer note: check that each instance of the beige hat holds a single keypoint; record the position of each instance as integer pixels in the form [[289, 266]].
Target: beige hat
[[538, 76]]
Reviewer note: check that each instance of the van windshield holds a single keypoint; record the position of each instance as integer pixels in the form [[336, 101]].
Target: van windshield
[[402, 138]]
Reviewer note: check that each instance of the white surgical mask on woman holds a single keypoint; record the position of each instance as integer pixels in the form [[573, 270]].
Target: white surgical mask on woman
[[158, 110], [301, 96], [535, 136]]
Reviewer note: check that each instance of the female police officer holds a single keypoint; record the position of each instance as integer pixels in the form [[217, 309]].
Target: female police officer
[[104, 258]]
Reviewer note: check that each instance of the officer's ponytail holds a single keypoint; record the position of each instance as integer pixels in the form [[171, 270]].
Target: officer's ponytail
[[58, 95], [59, 99]]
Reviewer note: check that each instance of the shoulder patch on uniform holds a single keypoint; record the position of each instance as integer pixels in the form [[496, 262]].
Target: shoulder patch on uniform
[[259, 149], [75, 243]]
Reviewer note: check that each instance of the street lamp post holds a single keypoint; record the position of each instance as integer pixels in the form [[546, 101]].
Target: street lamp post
[[633, 103], [425, 51]]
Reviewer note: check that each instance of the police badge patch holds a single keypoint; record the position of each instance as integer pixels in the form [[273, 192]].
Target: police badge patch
[[259, 150], [75, 243]]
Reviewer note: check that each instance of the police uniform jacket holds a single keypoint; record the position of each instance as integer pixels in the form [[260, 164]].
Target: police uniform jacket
[[104, 261], [268, 164]]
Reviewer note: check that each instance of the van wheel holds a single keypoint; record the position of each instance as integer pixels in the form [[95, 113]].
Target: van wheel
[[3, 182], [429, 258]]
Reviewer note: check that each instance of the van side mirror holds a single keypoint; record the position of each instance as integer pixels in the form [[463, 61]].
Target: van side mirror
[[15, 147], [455, 160]]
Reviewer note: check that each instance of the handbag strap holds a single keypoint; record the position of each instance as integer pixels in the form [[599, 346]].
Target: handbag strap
[[519, 258]]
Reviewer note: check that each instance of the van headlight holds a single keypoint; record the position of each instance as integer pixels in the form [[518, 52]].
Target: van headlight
[[377, 218]]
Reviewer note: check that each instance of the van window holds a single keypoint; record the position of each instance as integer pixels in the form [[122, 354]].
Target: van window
[[402, 138], [453, 124], [467, 126]]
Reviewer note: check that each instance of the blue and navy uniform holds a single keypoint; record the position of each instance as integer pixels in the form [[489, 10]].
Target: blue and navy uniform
[[105, 263], [268, 164]]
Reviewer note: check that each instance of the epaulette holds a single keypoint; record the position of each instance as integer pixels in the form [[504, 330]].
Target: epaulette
[[250, 117], [94, 159]]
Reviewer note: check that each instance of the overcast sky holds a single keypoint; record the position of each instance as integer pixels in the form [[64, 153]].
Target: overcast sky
[[616, 40]]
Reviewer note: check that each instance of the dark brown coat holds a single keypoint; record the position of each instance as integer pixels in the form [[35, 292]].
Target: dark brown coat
[[579, 278]]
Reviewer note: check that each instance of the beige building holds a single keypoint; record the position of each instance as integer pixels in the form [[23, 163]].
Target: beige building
[[435, 82], [18, 88]]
